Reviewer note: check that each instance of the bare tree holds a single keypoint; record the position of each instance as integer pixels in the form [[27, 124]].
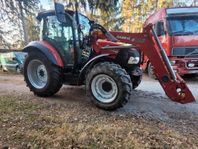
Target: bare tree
[[16, 12]]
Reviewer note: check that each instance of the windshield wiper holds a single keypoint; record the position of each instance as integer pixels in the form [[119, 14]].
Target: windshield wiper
[[183, 33], [193, 52]]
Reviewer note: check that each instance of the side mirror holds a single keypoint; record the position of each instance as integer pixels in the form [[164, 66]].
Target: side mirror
[[60, 12], [160, 29]]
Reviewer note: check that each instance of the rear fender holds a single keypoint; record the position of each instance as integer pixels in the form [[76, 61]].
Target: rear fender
[[48, 50]]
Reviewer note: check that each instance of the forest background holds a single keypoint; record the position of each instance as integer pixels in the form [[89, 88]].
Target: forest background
[[18, 23]]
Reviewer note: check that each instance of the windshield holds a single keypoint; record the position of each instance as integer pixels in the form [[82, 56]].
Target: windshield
[[187, 25], [84, 24]]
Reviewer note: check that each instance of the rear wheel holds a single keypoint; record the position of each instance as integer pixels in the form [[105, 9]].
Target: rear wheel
[[109, 86], [41, 76]]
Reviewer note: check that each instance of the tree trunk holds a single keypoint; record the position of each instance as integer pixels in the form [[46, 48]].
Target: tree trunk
[[25, 34]]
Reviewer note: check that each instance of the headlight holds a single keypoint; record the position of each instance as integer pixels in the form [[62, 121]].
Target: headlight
[[191, 65], [133, 60], [173, 62]]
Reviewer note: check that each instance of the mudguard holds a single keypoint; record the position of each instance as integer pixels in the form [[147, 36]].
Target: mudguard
[[48, 50], [90, 63]]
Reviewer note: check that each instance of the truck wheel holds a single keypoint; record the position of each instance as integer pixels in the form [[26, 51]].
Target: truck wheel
[[108, 85], [1, 68], [18, 70], [151, 71], [41, 76]]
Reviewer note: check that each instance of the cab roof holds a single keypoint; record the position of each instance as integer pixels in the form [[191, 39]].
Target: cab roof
[[46, 13], [181, 11]]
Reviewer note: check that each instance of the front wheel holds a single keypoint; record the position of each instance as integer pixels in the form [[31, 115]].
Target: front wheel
[[43, 78], [109, 86]]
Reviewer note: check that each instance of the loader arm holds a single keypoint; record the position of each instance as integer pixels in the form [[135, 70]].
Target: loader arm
[[148, 42]]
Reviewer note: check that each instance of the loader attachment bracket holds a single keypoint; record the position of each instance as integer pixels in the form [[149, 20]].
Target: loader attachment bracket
[[148, 42]]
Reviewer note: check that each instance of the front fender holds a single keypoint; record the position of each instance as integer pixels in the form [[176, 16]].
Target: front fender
[[48, 50], [91, 62]]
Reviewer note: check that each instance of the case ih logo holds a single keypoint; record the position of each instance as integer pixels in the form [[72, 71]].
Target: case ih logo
[[138, 40]]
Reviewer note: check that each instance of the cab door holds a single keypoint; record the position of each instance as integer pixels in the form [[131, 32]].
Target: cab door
[[60, 36]]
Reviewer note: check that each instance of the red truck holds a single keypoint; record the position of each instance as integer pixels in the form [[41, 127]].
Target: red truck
[[177, 30]]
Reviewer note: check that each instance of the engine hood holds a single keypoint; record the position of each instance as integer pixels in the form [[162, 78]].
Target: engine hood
[[105, 44]]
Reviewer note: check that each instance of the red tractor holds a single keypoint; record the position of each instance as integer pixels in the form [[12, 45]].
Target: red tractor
[[77, 51]]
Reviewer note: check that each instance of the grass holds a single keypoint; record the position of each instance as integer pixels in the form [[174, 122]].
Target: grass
[[39, 124]]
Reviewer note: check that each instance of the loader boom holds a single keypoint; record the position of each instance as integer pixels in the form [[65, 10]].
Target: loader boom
[[173, 85]]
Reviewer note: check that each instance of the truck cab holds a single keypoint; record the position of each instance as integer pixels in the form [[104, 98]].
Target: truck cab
[[177, 30]]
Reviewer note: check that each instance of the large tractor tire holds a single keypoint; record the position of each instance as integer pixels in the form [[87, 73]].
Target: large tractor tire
[[43, 78], [108, 85]]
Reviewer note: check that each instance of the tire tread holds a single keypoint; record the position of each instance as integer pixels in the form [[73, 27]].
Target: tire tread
[[118, 73], [55, 76]]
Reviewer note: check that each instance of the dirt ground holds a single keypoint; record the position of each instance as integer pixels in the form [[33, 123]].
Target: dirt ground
[[70, 120]]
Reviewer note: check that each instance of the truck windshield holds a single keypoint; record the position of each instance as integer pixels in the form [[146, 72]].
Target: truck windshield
[[180, 26]]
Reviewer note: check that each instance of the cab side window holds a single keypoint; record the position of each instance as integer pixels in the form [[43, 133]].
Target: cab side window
[[159, 28], [57, 31], [84, 23], [60, 36]]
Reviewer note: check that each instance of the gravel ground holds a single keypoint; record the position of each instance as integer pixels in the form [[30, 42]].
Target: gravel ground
[[150, 99], [156, 121]]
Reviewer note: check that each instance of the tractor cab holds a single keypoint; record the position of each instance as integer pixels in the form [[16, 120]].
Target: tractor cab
[[70, 33], [65, 36]]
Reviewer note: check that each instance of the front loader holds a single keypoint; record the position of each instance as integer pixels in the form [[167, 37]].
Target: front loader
[[77, 51], [173, 85]]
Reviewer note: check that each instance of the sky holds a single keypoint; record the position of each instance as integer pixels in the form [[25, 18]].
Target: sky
[[47, 4]]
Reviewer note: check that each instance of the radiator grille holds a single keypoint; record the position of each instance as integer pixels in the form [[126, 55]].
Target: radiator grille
[[186, 51]]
